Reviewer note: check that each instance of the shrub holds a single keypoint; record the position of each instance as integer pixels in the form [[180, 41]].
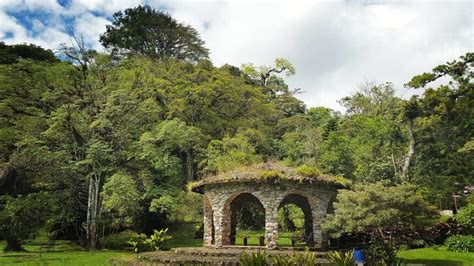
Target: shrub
[[269, 174], [465, 217], [380, 251], [460, 243], [309, 171], [253, 259], [338, 258], [305, 259], [137, 241], [280, 260], [157, 241], [440, 231]]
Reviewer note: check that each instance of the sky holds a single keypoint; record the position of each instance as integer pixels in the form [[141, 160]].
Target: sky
[[334, 45]]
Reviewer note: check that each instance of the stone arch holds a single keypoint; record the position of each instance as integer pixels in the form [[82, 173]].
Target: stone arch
[[208, 222], [304, 203], [229, 217]]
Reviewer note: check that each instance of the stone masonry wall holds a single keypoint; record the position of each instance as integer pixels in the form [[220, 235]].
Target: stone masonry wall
[[270, 195]]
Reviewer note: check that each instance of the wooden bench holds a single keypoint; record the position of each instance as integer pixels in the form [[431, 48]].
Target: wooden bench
[[295, 239], [261, 240]]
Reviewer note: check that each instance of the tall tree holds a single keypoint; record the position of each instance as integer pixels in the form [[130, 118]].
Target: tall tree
[[443, 126], [153, 33], [10, 54]]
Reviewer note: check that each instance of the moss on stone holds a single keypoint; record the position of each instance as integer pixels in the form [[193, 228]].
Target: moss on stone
[[267, 172]]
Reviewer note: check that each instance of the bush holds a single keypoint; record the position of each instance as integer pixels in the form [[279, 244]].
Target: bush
[[306, 259], [465, 217], [440, 231], [380, 251], [309, 171], [460, 243], [157, 241], [253, 259], [261, 258], [341, 258]]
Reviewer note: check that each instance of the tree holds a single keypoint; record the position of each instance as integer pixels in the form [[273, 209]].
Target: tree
[[443, 125], [10, 54], [173, 140], [229, 153], [145, 31], [378, 209], [263, 74], [121, 198], [22, 216], [465, 217]]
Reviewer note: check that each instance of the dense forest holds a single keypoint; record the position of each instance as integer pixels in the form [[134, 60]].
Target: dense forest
[[97, 142]]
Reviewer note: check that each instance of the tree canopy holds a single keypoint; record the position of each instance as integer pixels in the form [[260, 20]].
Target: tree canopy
[[153, 33]]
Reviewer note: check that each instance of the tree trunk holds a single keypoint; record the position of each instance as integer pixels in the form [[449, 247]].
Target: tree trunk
[[411, 150], [13, 245], [189, 166], [92, 211]]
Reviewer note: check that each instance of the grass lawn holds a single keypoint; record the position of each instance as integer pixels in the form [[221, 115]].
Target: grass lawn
[[183, 236], [436, 256], [64, 253], [284, 238], [68, 253]]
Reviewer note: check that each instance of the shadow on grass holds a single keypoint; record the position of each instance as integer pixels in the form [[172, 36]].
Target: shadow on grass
[[432, 263]]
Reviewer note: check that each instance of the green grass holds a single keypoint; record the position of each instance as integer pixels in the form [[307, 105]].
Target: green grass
[[284, 238], [436, 256], [68, 253], [183, 236], [63, 253]]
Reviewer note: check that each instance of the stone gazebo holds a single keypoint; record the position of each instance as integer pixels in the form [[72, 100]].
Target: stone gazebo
[[268, 186]]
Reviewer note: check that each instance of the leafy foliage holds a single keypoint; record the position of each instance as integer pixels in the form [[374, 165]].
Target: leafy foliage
[[114, 139], [253, 259], [153, 33], [460, 243], [121, 198], [22, 216], [465, 217], [340, 258], [11, 54], [157, 241], [378, 208]]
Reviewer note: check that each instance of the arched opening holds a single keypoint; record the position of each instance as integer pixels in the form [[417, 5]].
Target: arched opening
[[295, 221], [244, 220], [208, 236]]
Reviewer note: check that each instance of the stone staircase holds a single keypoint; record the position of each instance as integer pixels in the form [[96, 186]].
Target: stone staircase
[[226, 256]]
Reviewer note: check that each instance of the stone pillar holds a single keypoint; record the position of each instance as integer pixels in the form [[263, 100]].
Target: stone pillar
[[221, 222], [218, 225], [208, 223], [320, 239], [271, 226], [218, 203]]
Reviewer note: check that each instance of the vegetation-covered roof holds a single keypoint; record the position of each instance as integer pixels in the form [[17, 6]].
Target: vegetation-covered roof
[[265, 172]]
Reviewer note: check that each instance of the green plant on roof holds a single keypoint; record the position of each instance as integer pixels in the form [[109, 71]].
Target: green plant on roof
[[316, 173], [269, 174], [340, 180], [309, 171]]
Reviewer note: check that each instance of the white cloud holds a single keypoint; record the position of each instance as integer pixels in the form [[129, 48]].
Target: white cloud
[[90, 27], [334, 45]]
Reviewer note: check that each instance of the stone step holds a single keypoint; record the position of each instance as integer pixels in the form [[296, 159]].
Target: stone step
[[233, 251], [206, 256]]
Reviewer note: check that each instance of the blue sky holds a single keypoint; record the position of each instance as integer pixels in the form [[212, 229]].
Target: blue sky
[[334, 45]]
